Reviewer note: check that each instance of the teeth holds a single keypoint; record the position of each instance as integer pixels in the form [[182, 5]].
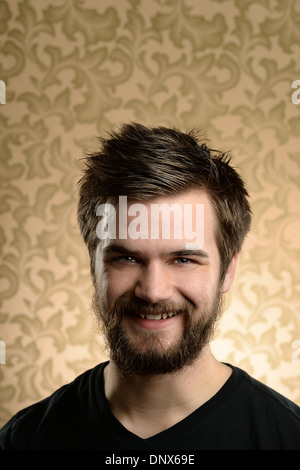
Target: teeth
[[158, 316], [154, 317]]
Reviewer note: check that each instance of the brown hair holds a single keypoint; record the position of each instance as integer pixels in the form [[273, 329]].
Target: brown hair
[[144, 163]]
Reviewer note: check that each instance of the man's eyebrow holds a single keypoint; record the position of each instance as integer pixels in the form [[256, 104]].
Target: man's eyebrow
[[115, 248], [200, 253]]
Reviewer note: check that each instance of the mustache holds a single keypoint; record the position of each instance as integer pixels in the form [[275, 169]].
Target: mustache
[[126, 305], [109, 317]]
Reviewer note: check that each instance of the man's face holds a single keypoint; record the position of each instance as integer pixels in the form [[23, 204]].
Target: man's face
[[158, 298]]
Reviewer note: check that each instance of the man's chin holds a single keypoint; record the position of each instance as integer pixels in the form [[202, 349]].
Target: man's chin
[[153, 357], [143, 367]]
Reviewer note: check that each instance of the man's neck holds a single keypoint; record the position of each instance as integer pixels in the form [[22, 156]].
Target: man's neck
[[150, 404]]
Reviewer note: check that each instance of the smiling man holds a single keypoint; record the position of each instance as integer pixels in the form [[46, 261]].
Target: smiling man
[[160, 265], [158, 299]]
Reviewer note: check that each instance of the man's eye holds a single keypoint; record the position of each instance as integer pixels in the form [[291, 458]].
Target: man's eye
[[183, 261], [127, 259]]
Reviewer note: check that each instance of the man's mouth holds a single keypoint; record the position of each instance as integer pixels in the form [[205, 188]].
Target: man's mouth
[[157, 316]]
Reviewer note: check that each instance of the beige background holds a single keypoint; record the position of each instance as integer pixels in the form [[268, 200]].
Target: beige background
[[74, 69]]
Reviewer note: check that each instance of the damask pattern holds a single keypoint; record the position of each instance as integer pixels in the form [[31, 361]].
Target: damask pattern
[[74, 69]]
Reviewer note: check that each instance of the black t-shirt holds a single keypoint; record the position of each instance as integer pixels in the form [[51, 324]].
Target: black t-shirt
[[243, 415]]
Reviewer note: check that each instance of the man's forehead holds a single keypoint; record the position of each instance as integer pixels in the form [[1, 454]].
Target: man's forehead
[[167, 224], [191, 196]]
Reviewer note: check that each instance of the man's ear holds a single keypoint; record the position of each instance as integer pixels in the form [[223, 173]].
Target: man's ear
[[229, 277]]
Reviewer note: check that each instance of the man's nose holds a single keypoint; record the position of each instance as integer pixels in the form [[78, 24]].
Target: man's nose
[[154, 284]]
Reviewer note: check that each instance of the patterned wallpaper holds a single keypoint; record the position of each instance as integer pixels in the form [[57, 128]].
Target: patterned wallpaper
[[74, 69]]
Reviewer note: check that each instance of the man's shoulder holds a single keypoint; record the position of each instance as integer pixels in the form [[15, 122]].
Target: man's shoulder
[[265, 400], [61, 402]]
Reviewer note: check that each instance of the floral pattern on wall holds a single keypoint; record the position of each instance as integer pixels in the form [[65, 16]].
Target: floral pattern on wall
[[74, 70]]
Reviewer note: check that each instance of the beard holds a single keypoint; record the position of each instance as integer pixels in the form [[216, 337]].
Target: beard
[[151, 356]]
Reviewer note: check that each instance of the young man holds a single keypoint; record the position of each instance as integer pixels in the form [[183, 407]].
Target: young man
[[164, 218]]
